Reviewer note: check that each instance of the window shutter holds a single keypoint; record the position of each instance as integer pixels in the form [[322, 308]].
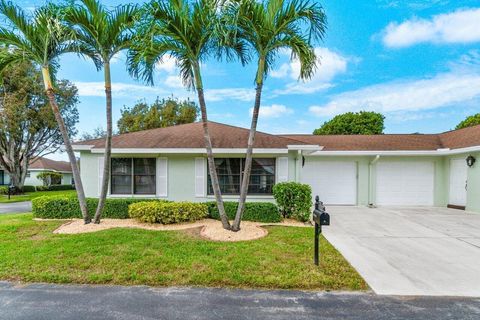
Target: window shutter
[[162, 173], [101, 163], [200, 177], [282, 169]]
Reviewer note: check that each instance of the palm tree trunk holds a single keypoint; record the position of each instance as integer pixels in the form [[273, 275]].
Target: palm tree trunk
[[251, 142], [108, 144], [208, 144], [68, 146]]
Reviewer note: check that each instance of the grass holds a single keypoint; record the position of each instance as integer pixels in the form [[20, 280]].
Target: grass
[[30, 252], [28, 196]]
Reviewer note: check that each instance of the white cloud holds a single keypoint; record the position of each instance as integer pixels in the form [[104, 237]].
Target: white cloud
[[168, 65], [273, 111], [97, 89], [461, 26], [174, 81], [242, 94], [330, 64], [414, 95]]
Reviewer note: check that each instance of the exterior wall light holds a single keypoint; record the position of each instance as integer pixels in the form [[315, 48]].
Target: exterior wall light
[[470, 161]]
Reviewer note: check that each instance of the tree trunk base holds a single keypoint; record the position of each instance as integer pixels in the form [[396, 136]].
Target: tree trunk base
[[87, 220]]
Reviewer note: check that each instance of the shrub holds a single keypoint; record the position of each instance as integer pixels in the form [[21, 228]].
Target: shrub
[[3, 190], [66, 207], [57, 187], [294, 199], [167, 212], [28, 189], [254, 211], [49, 178]]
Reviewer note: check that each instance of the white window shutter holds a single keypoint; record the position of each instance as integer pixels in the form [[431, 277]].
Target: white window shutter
[[200, 177], [162, 177], [282, 169], [101, 165]]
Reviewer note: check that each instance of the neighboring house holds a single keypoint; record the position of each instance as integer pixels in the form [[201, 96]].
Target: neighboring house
[[42, 165], [390, 169]]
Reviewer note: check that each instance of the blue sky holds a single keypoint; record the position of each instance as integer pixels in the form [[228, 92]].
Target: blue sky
[[417, 62]]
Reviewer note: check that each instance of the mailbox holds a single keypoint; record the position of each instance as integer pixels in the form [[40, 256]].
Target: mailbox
[[321, 218], [325, 219]]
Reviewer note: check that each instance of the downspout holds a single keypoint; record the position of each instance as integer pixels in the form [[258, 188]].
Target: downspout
[[298, 165], [370, 181]]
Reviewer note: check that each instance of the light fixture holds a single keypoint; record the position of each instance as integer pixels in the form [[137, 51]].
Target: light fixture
[[470, 160]]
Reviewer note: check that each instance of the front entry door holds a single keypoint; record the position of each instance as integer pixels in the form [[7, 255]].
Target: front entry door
[[458, 183]]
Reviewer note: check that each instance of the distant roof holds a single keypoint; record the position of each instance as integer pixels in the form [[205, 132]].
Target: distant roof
[[49, 164], [227, 136], [191, 136]]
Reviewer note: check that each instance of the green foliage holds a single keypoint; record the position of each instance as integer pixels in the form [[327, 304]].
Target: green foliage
[[28, 188], [254, 211], [294, 199], [3, 190], [363, 122], [160, 114], [469, 122], [167, 212], [67, 207], [57, 187], [49, 178]]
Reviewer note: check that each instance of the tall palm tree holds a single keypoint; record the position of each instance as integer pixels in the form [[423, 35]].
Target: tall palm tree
[[102, 34], [268, 27], [190, 32], [41, 39]]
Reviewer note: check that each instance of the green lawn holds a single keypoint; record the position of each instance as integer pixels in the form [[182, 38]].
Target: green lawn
[[29, 251], [27, 196]]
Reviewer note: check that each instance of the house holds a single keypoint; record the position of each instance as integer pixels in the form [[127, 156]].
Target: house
[[389, 169], [41, 165]]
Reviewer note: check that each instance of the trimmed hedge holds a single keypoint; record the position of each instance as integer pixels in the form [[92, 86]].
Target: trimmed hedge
[[167, 212], [4, 189], [28, 189], [57, 187], [254, 211], [66, 207], [294, 199]]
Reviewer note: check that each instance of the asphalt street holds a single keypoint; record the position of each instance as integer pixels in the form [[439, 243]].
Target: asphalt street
[[46, 301], [16, 207]]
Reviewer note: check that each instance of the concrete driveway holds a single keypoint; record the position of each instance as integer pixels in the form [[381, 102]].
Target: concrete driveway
[[410, 250], [16, 207]]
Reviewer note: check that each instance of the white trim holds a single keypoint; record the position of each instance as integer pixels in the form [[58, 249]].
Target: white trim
[[161, 177], [81, 147], [200, 178], [100, 167], [438, 152], [191, 150], [305, 147], [281, 169]]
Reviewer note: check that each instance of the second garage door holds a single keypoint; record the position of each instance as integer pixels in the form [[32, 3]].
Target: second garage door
[[335, 182], [405, 183]]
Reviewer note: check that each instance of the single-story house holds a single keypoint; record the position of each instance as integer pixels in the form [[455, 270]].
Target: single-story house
[[388, 169], [42, 165]]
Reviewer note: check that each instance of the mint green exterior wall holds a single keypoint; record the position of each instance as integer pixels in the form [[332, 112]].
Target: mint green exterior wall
[[473, 180]]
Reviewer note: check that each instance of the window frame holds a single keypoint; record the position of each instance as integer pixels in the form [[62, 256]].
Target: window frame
[[132, 177], [242, 164]]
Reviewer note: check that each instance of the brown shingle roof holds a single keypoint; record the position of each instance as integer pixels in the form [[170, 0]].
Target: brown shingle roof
[[191, 136], [49, 164], [226, 136]]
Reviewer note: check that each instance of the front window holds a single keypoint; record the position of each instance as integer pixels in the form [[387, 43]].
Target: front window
[[133, 176], [230, 171]]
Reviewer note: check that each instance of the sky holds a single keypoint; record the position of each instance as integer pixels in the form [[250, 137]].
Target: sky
[[417, 62]]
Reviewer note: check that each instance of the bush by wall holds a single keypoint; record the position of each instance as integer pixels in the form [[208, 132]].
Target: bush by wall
[[167, 212], [28, 189], [294, 199], [66, 207], [254, 211], [3, 190], [57, 187]]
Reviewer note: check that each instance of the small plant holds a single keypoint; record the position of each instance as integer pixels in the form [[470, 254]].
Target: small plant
[[49, 178], [167, 212], [294, 199]]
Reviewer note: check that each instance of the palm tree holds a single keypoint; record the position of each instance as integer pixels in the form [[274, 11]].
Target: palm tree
[[190, 32], [41, 38], [268, 27], [102, 34]]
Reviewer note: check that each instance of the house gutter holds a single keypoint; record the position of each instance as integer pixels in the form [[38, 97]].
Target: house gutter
[[370, 180]]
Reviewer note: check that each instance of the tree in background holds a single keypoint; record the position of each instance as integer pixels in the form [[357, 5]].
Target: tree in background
[[469, 121], [98, 133], [49, 178], [28, 129], [162, 113], [41, 38], [363, 122]]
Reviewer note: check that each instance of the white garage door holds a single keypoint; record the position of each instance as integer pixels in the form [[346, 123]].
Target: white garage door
[[405, 183], [335, 182]]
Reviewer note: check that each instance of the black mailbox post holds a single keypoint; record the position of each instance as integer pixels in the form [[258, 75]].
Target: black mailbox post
[[321, 218], [11, 190]]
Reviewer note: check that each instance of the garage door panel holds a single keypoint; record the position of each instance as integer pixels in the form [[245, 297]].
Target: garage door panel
[[335, 182], [405, 183]]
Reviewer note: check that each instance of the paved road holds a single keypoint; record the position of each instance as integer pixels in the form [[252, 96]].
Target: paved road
[[42, 301], [16, 207], [410, 251]]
